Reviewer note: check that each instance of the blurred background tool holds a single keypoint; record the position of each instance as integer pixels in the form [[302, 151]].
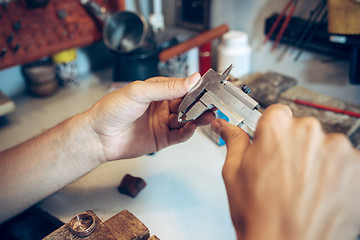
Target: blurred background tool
[[343, 22], [297, 35], [129, 37], [300, 28], [202, 40], [332, 28], [196, 41], [122, 31], [292, 5], [311, 27], [327, 108], [276, 23], [156, 19]]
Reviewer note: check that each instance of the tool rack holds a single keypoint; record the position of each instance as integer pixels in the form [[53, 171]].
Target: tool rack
[[320, 43], [28, 34]]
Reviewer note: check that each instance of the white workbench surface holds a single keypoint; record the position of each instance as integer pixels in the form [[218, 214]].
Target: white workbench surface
[[184, 198]]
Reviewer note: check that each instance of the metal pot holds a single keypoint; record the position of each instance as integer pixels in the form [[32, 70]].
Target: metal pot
[[128, 35], [137, 65], [143, 63], [123, 31]]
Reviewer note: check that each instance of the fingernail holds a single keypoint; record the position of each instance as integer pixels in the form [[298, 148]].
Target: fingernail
[[216, 126], [193, 79]]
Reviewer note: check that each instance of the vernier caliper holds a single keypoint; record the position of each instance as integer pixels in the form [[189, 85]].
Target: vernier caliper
[[213, 90]]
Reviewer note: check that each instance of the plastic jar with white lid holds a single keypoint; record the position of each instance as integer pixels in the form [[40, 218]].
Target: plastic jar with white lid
[[234, 49]]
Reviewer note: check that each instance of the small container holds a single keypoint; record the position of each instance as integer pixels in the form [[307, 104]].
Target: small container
[[40, 77], [234, 49], [66, 67]]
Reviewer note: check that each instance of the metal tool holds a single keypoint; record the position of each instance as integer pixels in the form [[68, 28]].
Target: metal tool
[[122, 31], [213, 90], [292, 5]]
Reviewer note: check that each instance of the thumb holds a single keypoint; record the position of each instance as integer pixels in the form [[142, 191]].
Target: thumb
[[162, 88], [237, 142]]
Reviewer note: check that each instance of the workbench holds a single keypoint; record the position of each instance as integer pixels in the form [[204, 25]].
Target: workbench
[[185, 197]]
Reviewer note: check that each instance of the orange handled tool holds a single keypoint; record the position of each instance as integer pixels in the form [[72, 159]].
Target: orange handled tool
[[290, 5], [196, 41]]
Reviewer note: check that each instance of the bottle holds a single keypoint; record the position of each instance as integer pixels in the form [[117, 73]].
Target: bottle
[[205, 57], [234, 49], [66, 67]]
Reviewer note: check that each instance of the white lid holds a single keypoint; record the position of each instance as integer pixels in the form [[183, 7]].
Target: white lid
[[234, 38]]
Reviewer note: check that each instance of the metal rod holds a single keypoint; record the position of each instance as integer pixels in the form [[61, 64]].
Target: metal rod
[[310, 24], [308, 21], [312, 34]]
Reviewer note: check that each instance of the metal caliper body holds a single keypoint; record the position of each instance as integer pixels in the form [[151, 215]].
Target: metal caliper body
[[213, 90]]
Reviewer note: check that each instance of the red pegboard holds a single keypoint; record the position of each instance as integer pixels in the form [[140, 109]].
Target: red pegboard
[[27, 34]]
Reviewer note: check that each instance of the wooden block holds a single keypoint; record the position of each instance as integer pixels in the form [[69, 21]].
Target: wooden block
[[131, 185], [125, 226], [271, 87], [343, 17], [267, 88], [122, 226], [100, 231], [154, 238], [330, 121]]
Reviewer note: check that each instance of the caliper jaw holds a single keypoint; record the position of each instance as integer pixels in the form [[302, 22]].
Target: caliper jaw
[[214, 91]]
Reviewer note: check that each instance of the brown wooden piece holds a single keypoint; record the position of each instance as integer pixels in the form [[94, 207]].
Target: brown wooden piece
[[196, 41], [125, 226], [122, 226], [154, 238], [330, 121], [100, 232], [131, 185], [272, 87]]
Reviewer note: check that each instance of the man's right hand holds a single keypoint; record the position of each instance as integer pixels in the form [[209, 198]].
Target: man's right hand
[[293, 182]]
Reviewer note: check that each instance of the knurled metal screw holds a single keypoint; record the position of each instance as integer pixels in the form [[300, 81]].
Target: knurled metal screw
[[246, 89]]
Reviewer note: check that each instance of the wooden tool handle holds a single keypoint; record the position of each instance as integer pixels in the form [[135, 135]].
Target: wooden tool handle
[[199, 40]]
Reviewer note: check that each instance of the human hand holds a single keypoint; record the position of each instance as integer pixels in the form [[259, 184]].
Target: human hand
[[293, 181], [141, 117]]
